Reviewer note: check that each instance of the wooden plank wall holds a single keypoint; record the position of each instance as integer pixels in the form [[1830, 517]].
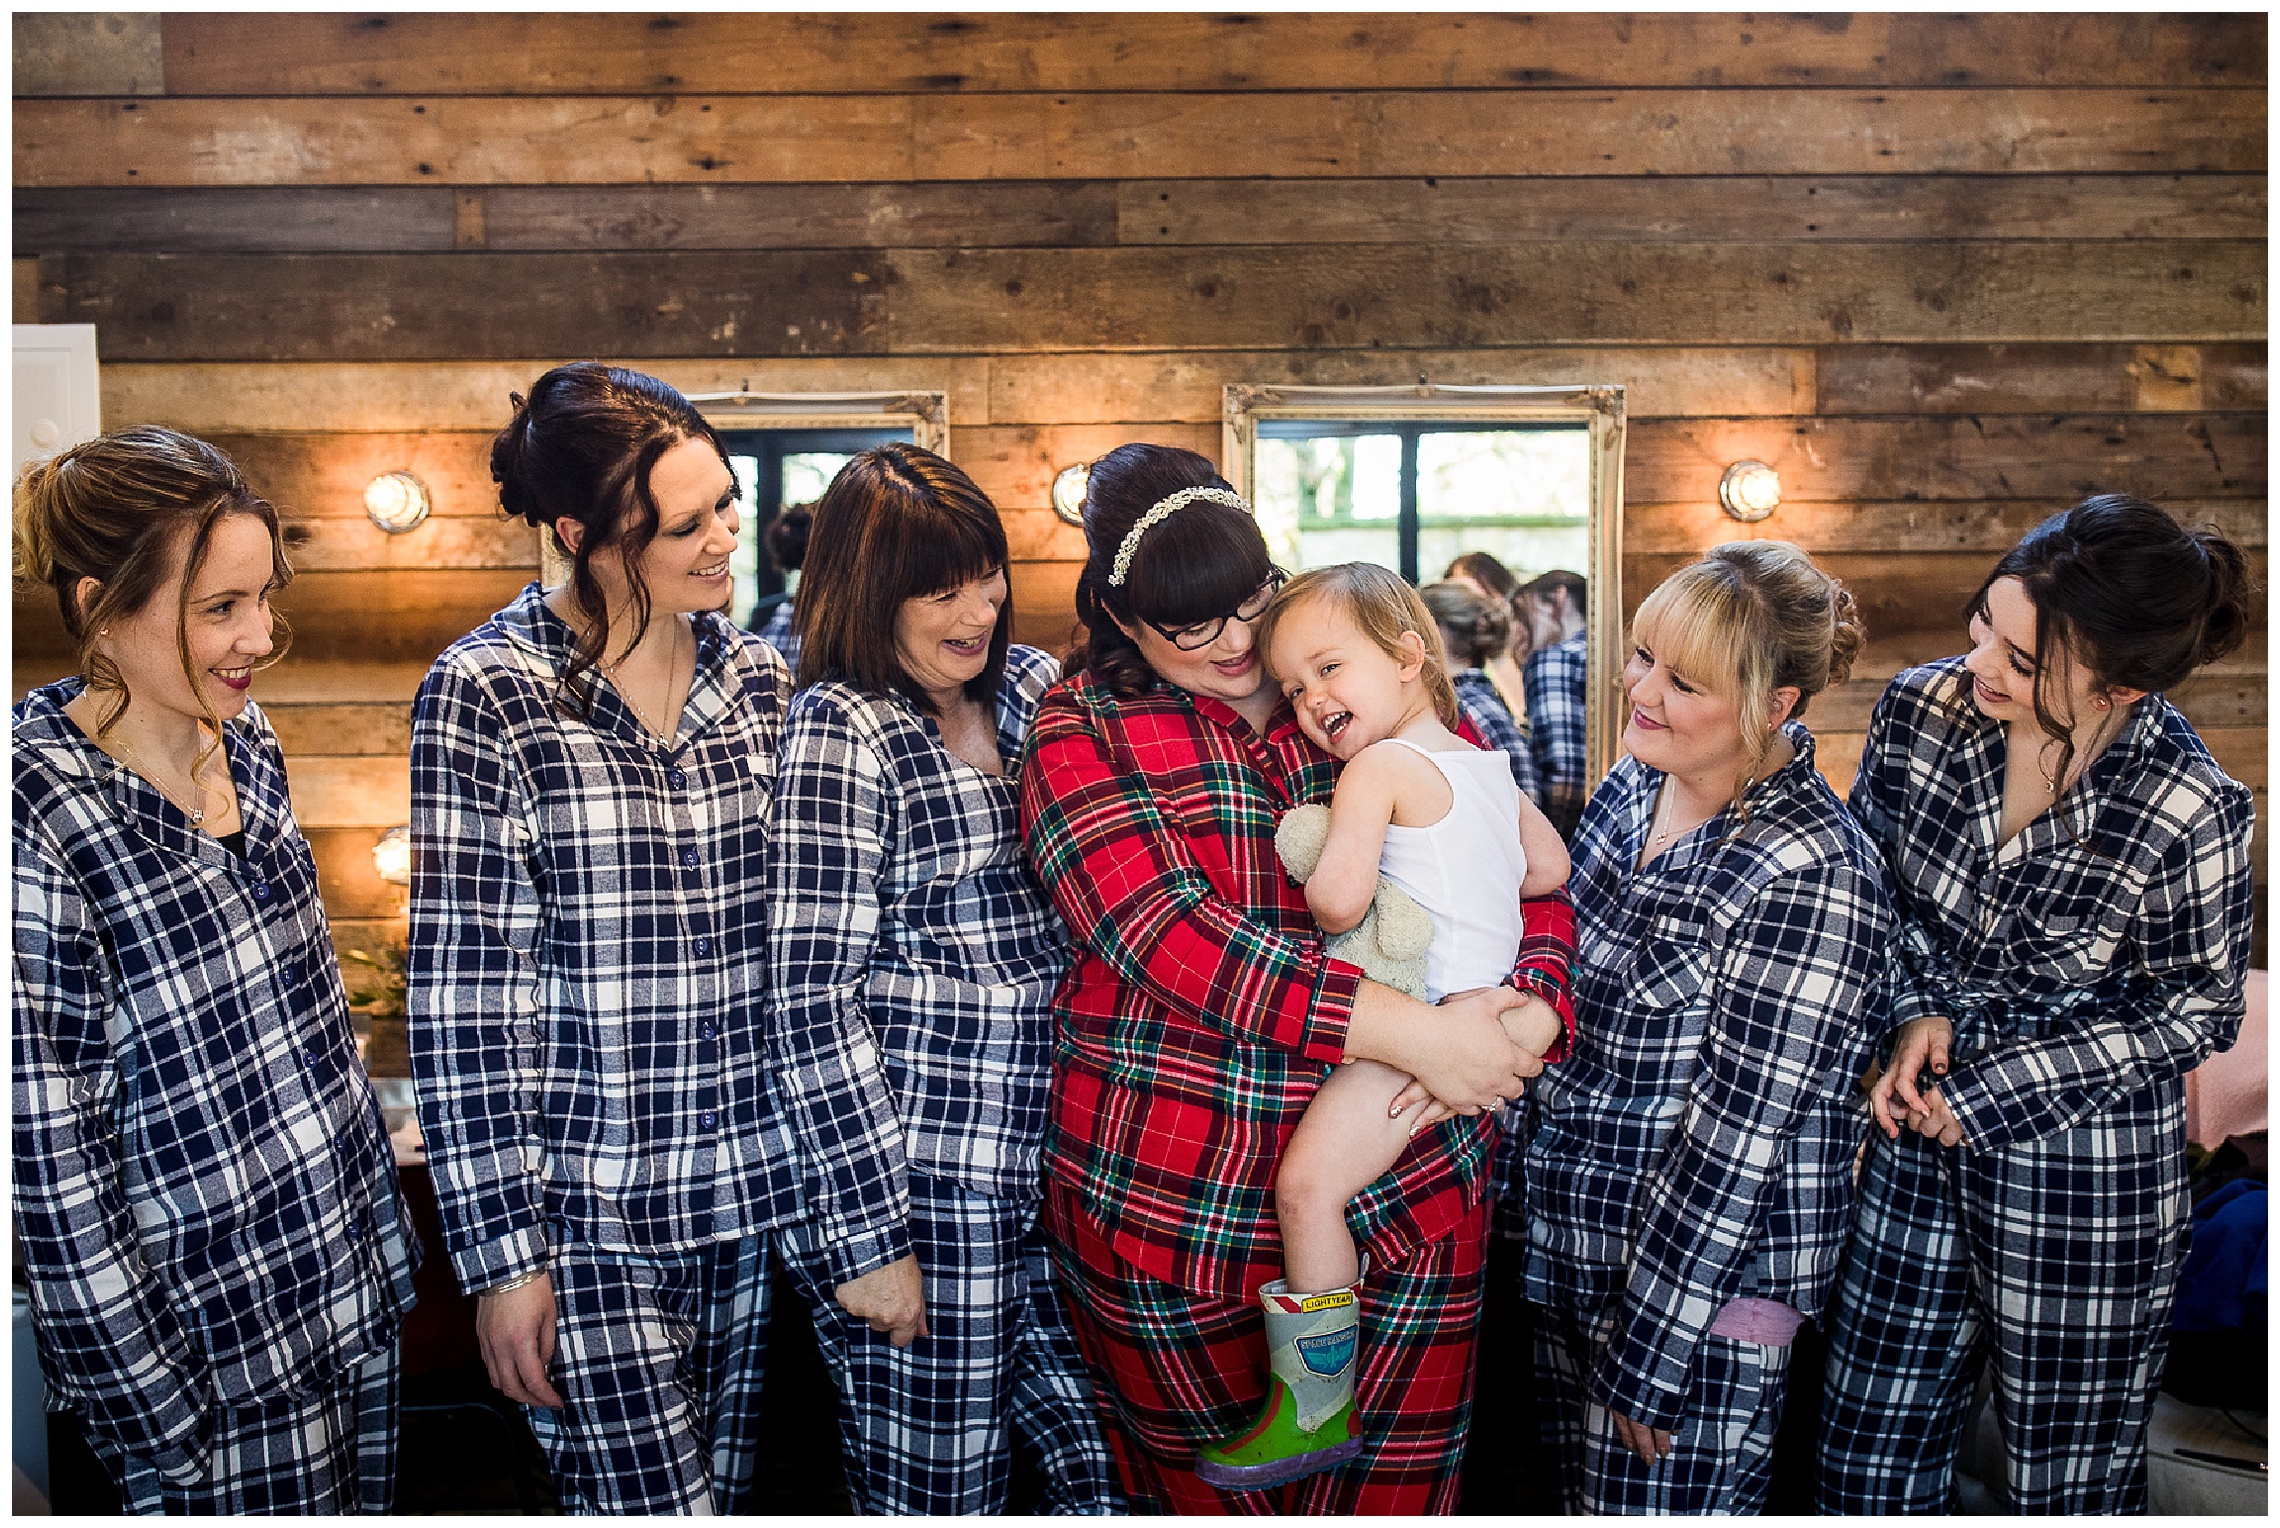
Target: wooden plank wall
[[1946, 272]]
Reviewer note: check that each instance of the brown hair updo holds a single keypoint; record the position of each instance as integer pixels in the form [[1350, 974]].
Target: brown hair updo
[[2136, 596], [114, 509], [582, 446], [1202, 562], [1482, 628]]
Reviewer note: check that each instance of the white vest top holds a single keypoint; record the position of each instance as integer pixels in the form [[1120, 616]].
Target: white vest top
[[1465, 871]]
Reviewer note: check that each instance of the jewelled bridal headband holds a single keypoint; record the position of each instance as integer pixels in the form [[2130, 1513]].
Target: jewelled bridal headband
[[1163, 510]]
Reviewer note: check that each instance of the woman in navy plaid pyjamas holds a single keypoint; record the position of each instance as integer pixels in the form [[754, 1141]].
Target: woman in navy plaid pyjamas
[[206, 1199], [592, 773], [913, 963], [2073, 938], [1686, 1171]]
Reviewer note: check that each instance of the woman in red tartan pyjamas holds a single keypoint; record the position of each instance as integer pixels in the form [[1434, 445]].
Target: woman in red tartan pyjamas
[[1200, 1013]]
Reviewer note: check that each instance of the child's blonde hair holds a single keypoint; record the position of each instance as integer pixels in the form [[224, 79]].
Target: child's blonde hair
[[1383, 607]]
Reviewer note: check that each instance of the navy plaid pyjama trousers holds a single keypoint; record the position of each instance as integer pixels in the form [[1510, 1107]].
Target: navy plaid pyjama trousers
[[929, 1429], [331, 1454], [659, 1360], [1721, 1458], [2054, 1262]]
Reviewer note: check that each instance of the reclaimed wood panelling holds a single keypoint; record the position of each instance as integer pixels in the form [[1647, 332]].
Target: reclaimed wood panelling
[[1082, 214], [499, 140], [371, 728], [1015, 464], [351, 791], [2040, 379], [107, 53], [399, 307], [413, 219], [1365, 296], [2050, 458], [230, 398], [1924, 525], [340, 544], [345, 54], [404, 397], [493, 306], [1742, 209], [312, 474]]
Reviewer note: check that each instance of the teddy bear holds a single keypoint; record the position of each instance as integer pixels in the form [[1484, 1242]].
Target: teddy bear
[[1389, 943]]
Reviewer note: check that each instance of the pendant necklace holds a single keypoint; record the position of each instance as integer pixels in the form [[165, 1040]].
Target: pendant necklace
[[672, 668], [134, 762]]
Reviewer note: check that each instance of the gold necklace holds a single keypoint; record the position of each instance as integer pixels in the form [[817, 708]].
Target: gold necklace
[[134, 761], [1666, 797], [672, 668]]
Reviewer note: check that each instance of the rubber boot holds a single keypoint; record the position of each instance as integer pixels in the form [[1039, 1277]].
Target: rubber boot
[[1308, 1422]]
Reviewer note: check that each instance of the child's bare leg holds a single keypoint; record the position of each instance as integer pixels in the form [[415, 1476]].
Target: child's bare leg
[[1344, 1143]]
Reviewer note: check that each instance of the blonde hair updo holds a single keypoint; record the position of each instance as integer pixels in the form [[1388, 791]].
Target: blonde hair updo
[[1750, 618]]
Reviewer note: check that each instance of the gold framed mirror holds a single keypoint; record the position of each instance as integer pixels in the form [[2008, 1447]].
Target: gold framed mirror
[[1537, 471]]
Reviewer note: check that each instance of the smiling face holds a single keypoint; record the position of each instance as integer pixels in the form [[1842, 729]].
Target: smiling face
[[1676, 722], [943, 639], [1347, 691], [685, 566], [227, 625], [2002, 666], [1228, 669]]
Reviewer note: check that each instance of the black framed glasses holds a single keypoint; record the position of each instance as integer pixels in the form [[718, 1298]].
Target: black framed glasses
[[1202, 634]]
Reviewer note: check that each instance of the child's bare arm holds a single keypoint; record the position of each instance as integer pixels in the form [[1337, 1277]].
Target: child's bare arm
[[1532, 1026], [1547, 856], [1345, 882]]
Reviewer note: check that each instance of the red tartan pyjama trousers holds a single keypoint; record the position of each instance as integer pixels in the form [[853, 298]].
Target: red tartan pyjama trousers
[[1175, 1370]]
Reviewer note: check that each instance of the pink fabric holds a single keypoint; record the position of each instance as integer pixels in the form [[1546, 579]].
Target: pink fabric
[[1768, 1323], [2225, 1095]]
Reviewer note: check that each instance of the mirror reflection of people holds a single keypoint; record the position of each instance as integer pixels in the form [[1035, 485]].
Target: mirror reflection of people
[[1473, 630], [2074, 888], [206, 1206], [592, 774], [913, 961], [1687, 1171], [787, 540], [1201, 1013], [1553, 606], [1493, 582]]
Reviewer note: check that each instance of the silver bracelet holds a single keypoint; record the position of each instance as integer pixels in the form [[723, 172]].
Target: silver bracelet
[[516, 1282]]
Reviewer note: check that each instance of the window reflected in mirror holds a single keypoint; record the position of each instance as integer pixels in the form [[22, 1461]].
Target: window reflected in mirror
[[1413, 497]]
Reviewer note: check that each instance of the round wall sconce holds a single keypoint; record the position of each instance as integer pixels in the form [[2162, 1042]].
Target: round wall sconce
[[396, 502], [392, 857], [1069, 492], [1749, 491]]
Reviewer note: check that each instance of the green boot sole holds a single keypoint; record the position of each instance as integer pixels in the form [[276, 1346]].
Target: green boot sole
[[1273, 1450]]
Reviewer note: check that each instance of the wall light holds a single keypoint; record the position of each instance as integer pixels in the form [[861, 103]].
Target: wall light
[[1069, 492], [1749, 490], [396, 502], [392, 857]]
